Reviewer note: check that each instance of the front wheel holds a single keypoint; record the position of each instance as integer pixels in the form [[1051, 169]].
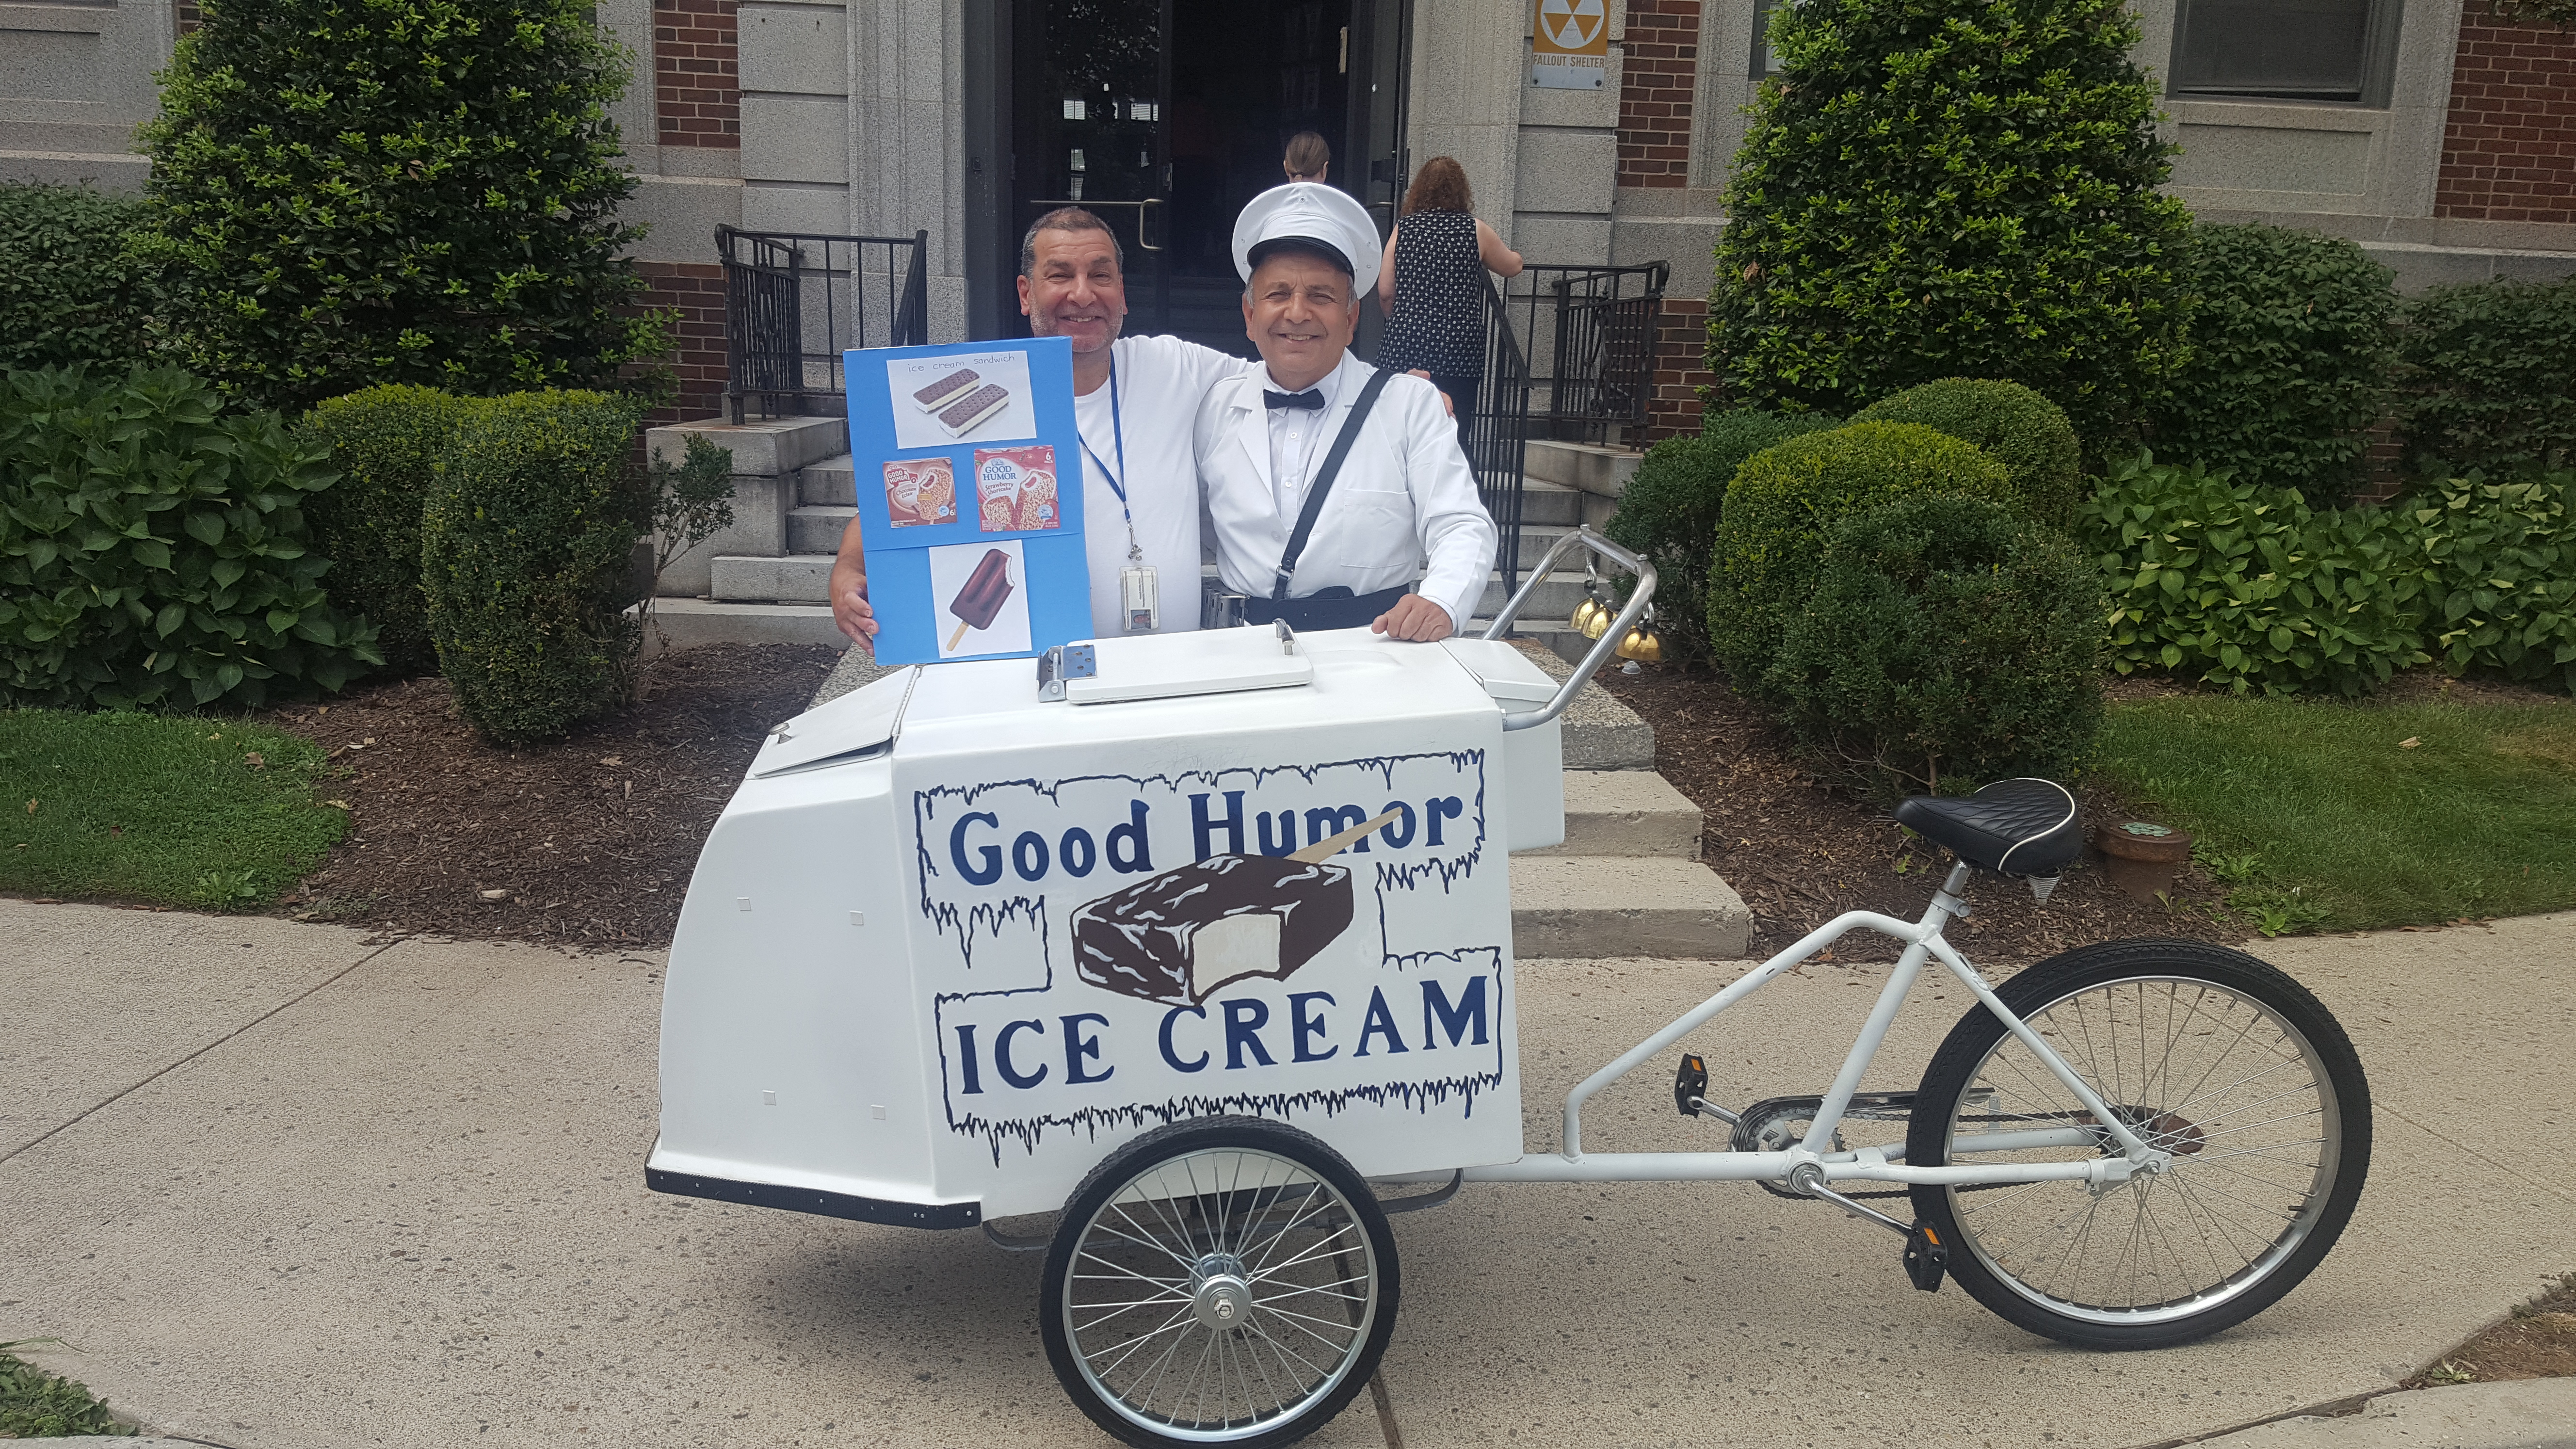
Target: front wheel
[[2208, 1054], [1223, 1281]]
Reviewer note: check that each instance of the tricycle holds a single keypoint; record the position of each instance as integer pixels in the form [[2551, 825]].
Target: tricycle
[[1202, 942]]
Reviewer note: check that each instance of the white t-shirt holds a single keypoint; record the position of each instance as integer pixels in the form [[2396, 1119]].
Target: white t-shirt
[[1161, 381]]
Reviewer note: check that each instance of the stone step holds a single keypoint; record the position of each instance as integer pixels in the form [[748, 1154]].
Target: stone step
[[1544, 502], [816, 527], [694, 623], [1601, 471], [796, 578], [1609, 906], [1632, 813], [829, 484]]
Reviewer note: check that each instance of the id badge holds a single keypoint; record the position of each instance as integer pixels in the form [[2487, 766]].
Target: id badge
[[1140, 598]]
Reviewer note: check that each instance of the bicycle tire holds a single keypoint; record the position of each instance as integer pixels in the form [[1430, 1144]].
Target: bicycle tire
[[1179, 1193], [2016, 1249]]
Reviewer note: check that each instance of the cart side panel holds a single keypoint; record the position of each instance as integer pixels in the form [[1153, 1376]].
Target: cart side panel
[[1109, 935], [787, 1052]]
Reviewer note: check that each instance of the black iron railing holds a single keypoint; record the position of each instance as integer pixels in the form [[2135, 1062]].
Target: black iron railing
[[1498, 434], [1595, 326], [795, 300]]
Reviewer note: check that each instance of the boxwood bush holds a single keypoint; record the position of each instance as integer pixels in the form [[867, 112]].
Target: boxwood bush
[[1946, 640], [2290, 356], [384, 443], [153, 548], [1670, 510], [1786, 501], [71, 288], [2487, 379], [527, 550], [2016, 427]]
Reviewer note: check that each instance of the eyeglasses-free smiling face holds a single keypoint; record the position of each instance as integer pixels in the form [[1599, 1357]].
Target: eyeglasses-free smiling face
[[1075, 290], [1299, 311]]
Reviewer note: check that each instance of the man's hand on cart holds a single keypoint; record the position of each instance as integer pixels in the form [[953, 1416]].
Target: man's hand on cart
[[1415, 618], [851, 612]]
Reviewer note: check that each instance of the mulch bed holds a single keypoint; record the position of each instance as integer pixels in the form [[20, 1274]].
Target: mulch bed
[[590, 841], [2538, 1341], [1801, 853]]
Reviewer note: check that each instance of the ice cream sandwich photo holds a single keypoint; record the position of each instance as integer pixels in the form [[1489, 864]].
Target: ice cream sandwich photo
[[982, 397]]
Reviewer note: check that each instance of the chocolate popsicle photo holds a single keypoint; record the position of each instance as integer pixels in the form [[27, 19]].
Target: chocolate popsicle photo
[[982, 597]]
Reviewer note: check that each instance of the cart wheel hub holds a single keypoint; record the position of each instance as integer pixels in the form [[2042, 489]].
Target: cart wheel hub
[[1222, 1297]]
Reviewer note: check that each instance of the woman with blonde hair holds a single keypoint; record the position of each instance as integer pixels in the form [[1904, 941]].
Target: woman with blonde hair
[[1432, 285]]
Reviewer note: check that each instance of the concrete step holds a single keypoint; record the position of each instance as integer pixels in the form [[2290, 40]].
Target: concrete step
[[692, 623], [828, 484], [1603, 472], [816, 527], [1631, 813], [796, 578], [1608, 906], [1544, 502]]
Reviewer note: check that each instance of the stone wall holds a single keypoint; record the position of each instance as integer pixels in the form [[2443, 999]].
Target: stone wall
[[2509, 144]]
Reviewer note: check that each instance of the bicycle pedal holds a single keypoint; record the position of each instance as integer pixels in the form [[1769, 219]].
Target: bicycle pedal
[[1926, 1261], [1690, 1084]]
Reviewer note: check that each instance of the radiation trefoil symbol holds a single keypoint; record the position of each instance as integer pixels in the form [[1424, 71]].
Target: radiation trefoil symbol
[[1571, 24]]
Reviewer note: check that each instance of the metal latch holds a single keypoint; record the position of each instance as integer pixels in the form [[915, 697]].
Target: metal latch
[[1287, 636]]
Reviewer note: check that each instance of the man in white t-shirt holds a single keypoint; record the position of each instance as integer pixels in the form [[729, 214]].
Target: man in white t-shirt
[[1134, 399]]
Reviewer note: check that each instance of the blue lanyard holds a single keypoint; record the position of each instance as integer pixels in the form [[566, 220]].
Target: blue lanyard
[[1118, 435]]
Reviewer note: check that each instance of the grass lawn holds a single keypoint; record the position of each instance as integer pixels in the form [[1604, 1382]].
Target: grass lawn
[[34, 1404], [2379, 815], [170, 809]]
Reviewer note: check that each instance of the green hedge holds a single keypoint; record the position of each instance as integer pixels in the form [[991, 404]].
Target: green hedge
[[71, 290], [384, 443], [1946, 640], [153, 548], [2487, 379], [2499, 572], [527, 554], [2290, 357], [2016, 427], [1786, 501], [1670, 510]]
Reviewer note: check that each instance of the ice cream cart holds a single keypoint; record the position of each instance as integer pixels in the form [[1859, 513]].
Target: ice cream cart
[[1189, 938]]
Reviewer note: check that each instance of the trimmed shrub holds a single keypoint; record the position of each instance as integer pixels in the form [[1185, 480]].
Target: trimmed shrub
[[2290, 358], [384, 443], [71, 291], [2013, 425], [419, 191], [527, 554], [2247, 587], [1786, 501], [1670, 510], [2499, 571], [1951, 188], [2487, 379], [152, 549], [1946, 640]]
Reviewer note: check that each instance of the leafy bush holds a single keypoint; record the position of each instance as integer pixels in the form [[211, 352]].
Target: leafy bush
[[1670, 510], [2247, 587], [2499, 571], [152, 548], [2289, 359], [70, 289], [2013, 425], [401, 191], [1785, 502], [1945, 638], [384, 443], [1951, 188], [2487, 376], [527, 550]]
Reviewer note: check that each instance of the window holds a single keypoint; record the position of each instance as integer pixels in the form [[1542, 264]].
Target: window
[[1762, 37], [2296, 50]]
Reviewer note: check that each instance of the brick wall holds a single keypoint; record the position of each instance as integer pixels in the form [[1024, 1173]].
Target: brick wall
[[2509, 145], [696, 291], [697, 78], [1659, 66], [1681, 369]]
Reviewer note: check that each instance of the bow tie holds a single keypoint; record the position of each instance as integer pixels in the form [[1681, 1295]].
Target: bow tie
[[1310, 400]]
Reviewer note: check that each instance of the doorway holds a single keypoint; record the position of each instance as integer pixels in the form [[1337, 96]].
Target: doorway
[[1163, 117]]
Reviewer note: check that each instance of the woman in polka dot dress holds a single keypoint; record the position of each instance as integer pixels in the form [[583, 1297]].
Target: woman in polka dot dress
[[1433, 283]]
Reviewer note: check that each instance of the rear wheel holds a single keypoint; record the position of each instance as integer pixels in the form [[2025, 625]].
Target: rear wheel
[[2208, 1054], [1224, 1281]]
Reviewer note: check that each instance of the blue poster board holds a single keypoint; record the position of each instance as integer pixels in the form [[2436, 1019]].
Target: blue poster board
[[969, 474]]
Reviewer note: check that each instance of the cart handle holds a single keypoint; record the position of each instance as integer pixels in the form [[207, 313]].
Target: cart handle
[[1602, 647]]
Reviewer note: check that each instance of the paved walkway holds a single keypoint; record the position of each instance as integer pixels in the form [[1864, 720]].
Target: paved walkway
[[284, 1186]]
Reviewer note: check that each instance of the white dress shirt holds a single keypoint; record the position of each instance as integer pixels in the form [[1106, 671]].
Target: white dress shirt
[[1293, 435], [1405, 494], [1161, 382]]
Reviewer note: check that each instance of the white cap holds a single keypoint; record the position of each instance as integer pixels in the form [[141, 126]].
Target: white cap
[[1313, 212]]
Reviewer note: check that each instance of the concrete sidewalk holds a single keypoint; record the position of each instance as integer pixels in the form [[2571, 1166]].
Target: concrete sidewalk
[[282, 1186]]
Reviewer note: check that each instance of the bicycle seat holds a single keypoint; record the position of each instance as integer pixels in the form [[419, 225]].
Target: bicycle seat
[[2012, 827]]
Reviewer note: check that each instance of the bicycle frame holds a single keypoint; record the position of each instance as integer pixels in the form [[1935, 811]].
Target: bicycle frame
[[1810, 1162]]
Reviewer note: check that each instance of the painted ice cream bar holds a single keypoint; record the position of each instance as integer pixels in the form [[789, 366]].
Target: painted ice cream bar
[[1184, 933], [983, 595]]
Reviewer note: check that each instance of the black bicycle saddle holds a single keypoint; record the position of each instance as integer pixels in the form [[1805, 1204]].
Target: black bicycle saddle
[[2012, 827]]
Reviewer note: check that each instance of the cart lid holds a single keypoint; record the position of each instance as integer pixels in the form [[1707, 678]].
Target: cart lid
[[1208, 661], [863, 721], [1507, 674]]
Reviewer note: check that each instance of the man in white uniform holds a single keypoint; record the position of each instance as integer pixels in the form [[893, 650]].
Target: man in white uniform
[[1134, 398], [1402, 493]]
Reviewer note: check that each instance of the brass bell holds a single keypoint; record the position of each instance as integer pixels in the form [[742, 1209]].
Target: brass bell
[[1584, 613], [1603, 616], [1641, 644]]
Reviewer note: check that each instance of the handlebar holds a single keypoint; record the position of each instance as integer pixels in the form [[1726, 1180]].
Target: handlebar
[[1602, 647]]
